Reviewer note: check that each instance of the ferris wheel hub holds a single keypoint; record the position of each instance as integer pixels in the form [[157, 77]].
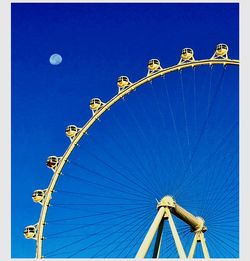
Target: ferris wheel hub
[[197, 224], [167, 201]]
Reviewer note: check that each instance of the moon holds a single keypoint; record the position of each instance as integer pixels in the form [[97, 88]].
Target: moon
[[55, 59]]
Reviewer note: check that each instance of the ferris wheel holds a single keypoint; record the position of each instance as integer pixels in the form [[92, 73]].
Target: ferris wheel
[[147, 157]]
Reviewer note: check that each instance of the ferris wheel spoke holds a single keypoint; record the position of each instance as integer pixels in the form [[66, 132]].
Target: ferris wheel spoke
[[174, 124], [216, 249], [209, 89], [105, 186], [187, 243], [220, 144], [131, 152], [139, 233], [140, 182], [168, 247], [156, 138], [207, 194], [147, 151], [217, 228], [227, 194], [212, 154], [230, 209], [195, 100], [229, 216], [140, 135], [204, 126], [233, 221], [225, 188], [186, 124], [186, 234], [225, 245], [136, 185], [171, 250], [158, 151], [90, 236], [171, 148], [230, 212], [102, 213], [145, 221], [137, 238], [89, 204], [211, 199], [185, 111], [77, 194], [225, 219], [102, 238], [226, 215], [138, 159], [156, 100]]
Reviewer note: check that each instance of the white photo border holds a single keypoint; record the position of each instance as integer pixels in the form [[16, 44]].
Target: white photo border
[[5, 118]]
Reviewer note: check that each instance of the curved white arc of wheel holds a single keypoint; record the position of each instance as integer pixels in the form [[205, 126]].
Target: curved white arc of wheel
[[93, 119]]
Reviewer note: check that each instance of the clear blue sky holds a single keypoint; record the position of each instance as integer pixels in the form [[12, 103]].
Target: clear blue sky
[[148, 140]]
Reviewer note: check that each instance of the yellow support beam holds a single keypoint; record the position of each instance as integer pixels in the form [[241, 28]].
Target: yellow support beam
[[199, 237], [176, 237], [158, 240], [193, 247], [150, 235], [204, 245]]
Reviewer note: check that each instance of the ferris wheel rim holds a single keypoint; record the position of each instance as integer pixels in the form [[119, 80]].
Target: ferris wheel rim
[[64, 159]]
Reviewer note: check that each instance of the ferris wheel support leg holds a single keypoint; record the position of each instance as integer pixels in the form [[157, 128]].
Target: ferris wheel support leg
[[158, 240], [199, 237], [176, 237], [193, 246], [204, 245], [150, 235]]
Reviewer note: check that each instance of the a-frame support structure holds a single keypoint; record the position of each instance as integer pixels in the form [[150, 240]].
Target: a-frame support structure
[[166, 207]]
